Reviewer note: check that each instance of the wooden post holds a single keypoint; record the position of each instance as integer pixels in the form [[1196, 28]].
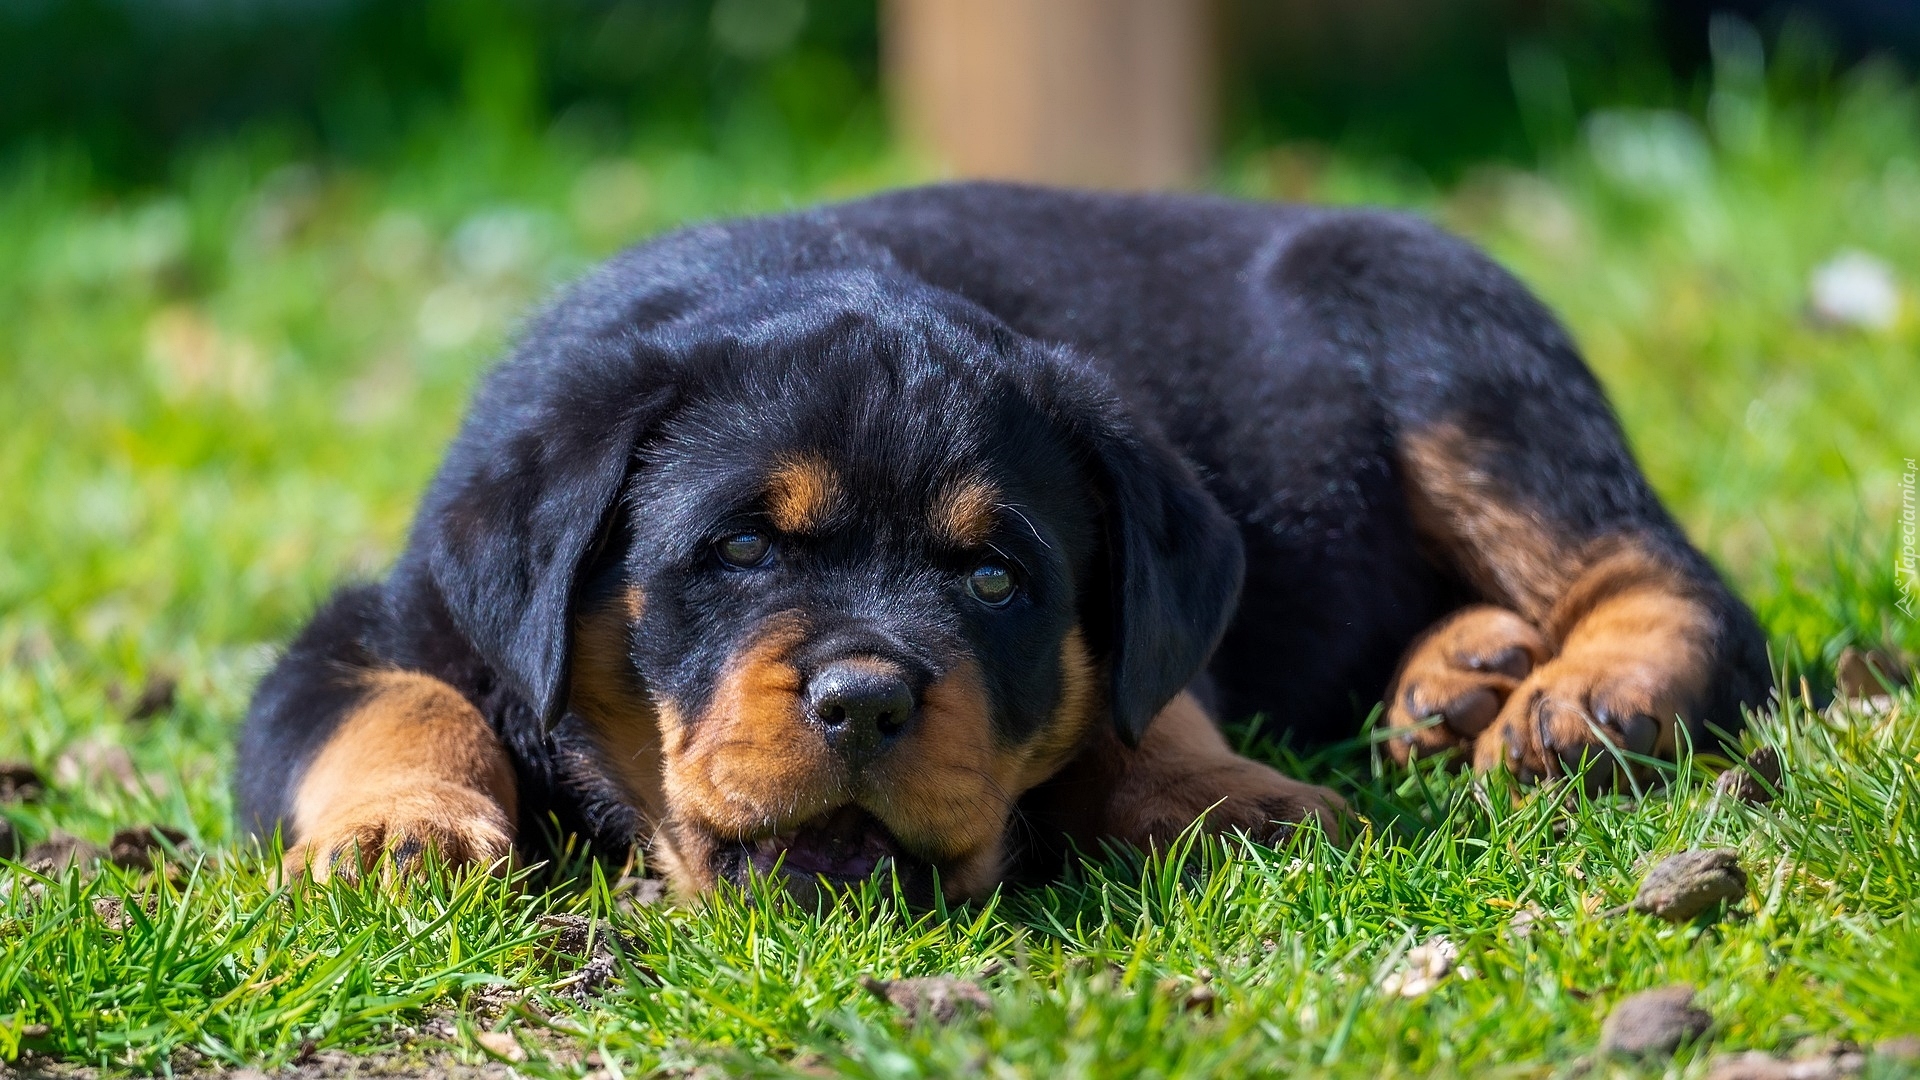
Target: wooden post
[[1106, 93]]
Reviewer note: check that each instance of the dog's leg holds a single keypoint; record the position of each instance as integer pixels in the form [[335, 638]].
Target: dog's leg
[[412, 766], [1610, 635], [1519, 486], [1182, 771]]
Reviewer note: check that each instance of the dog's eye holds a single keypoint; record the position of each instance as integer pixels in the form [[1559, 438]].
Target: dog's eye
[[991, 583], [744, 550]]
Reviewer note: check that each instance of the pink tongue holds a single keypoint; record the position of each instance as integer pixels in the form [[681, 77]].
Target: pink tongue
[[848, 844]]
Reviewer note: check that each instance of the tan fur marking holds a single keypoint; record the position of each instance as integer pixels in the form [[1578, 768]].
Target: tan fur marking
[[415, 763], [1626, 635], [955, 783], [963, 514], [1612, 567], [941, 788], [1077, 715], [606, 692], [1182, 770], [1505, 549], [1634, 643], [946, 789], [753, 761], [1183, 767], [802, 493]]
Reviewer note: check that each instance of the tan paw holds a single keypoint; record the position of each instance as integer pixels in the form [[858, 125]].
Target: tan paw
[[1455, 680], [1243, 796], [1577, 716], [1625, 677], [1267, 806], [461, 825]]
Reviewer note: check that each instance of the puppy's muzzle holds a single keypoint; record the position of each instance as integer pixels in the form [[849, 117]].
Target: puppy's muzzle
[[863, 706]]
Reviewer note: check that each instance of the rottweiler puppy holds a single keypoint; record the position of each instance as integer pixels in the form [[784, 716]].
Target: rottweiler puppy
[[935, 530]]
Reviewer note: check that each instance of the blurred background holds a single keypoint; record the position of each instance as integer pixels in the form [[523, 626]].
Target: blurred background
[[1114, 92], [254, 253]]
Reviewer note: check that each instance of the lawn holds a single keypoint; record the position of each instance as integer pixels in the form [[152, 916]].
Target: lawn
[[224, 395]]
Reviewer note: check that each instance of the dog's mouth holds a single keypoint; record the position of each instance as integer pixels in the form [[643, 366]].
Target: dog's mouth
[[846, 845], [843, 847]]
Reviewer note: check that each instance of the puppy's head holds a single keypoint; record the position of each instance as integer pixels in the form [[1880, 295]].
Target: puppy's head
[[852, 568]]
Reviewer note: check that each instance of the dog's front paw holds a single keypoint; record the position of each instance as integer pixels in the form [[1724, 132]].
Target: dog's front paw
[[1240, 795], [460, 825], [1455, 680], [1586, 716], [1629, 674], [1268, 806]]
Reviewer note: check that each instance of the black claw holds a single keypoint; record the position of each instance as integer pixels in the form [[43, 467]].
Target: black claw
[[1639, 733], [1511, 661], [1541, 731]]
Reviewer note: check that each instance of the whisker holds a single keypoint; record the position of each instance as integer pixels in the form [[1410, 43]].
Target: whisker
[[1016, 512]]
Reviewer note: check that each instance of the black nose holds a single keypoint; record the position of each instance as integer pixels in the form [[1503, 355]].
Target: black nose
[[862, 705]]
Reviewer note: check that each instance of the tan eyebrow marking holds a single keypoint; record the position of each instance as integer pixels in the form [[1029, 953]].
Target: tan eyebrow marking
[[801, 493], [963, 513]]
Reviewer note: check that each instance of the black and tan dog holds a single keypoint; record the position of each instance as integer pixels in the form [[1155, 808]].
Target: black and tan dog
[[937, 528]]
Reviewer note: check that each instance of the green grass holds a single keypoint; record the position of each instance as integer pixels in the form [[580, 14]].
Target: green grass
[[225, 395]]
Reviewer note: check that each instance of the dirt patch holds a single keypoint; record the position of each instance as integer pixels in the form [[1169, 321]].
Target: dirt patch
[[322, 1065]]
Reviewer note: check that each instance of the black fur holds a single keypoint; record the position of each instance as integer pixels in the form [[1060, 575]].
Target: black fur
[[1195, 401]]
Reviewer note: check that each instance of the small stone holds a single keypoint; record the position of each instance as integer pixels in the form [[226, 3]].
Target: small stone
[[143, 846], [632, 892], [1758, 1065], [1522, 925], [939, 998], [1682, 886], [1654, 1023], [1862, 674], [1753, 781], [1202, 999], [59, 851], [1426, 966], [1813, 1059], [502, 1045], [20, 783], [1195, 995], [579, 936], [92, 764]]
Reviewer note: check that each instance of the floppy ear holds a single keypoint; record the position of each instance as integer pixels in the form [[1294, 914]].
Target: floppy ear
[[1176, 564], [526, 495]]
